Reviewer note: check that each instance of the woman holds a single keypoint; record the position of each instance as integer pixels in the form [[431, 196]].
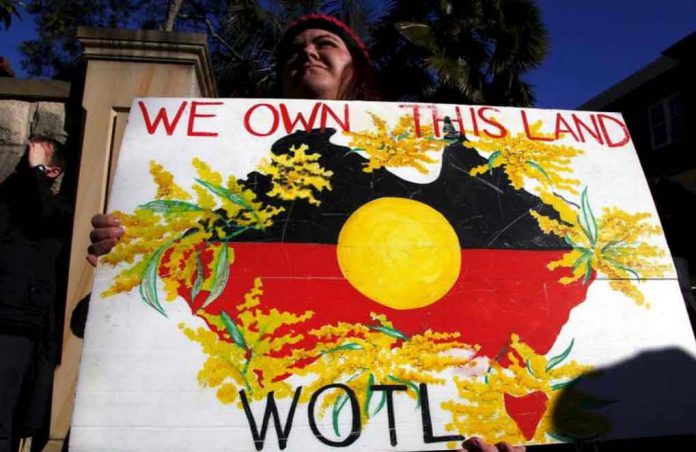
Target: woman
[[318, 57]]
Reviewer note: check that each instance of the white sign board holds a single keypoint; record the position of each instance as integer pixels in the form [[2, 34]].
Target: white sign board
[[380, 276]]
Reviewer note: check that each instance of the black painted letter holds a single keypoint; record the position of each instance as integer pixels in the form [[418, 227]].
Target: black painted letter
[[428, 423], [271, 410], [388, 389], [354, 407]]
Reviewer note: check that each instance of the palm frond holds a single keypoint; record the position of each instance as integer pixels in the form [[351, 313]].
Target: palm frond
[[419, 34]]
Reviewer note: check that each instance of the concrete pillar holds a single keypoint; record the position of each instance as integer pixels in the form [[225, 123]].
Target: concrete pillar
[[120, 65]]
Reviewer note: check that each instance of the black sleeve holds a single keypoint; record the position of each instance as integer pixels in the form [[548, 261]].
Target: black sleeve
[[39, 210]]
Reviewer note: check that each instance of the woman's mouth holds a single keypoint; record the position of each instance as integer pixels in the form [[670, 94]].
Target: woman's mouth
[[308, 66]]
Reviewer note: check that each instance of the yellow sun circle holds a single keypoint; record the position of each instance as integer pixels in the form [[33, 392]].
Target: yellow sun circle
[[399, 252]]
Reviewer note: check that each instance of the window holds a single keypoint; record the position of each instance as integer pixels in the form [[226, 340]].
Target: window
[[677, 121], [666, 121]]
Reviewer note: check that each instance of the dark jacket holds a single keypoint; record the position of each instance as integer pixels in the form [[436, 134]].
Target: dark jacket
[[33, 227]]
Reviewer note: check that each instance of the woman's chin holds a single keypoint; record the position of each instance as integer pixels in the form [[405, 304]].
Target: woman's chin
[[313, 86]]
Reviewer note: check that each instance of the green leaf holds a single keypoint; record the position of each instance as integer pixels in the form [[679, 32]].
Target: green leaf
[[227, 194], [451, 70], [585, 231], [198, 282], [586, 256], [338, 406], [411, 385], [588, 274], [624, 268], [570, 242], [368, 394], [348, 346], [529, 369], [491, 160], [233, 330], [148, 285], [7, 9], [170, 206], [611, 244], [587, 219], [558, 359], [537, 167], [419, 34], [220, 276], [382, 401], [390, 332], [234, 234]]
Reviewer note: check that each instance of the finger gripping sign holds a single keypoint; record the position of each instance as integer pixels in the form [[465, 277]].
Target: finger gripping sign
[[380, 276]]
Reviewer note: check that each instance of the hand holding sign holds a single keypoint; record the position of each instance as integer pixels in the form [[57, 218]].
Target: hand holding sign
[[107, 230]]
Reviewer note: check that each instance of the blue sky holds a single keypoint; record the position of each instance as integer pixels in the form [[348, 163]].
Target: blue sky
[[595, 43]]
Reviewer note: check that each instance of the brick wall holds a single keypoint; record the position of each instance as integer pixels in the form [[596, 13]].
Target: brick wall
[[21, 121]]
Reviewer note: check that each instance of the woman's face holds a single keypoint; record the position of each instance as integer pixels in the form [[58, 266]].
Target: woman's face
[[319, 66]]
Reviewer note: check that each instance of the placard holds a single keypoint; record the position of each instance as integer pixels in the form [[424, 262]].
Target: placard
[[380, 276]]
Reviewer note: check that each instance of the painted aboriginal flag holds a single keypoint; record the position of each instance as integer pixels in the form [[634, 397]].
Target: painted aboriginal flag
[[376, 276]]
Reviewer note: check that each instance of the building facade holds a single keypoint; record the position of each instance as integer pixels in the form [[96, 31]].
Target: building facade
[[658, 104]]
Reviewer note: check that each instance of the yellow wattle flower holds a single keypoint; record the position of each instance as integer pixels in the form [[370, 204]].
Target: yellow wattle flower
[[360, 356], [296, 175], [523, 159], [480, 406], [399, 147], [178, 227], [166, 187], [254, 365], [618, 248]]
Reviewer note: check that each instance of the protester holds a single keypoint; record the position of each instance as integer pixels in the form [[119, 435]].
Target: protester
[[34, 223], [318, 57]]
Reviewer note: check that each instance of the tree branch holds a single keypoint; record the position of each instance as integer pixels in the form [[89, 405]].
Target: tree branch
[[222, 40], [174, 7]]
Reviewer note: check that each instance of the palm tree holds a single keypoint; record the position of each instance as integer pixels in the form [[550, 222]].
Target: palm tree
[[468, 51], [465, 51], [241, 37], [8, 8]]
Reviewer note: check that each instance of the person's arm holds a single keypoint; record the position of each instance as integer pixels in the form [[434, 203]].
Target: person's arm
[[41, 210]]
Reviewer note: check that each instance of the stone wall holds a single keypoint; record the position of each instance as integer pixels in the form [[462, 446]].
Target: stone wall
[[21, 121]]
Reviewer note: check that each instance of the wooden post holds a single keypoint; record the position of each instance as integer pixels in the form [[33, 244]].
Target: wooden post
[[120, 65]]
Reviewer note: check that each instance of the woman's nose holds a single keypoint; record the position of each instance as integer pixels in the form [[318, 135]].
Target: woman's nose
[[311, 52]]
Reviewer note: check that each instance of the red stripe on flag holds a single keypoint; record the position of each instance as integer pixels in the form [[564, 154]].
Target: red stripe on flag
[[498, 293]]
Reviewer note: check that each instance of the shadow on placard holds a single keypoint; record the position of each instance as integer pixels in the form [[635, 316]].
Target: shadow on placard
[[650, 398]]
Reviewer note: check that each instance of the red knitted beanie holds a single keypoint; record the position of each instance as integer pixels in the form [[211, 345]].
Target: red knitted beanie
[[353, 42]]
